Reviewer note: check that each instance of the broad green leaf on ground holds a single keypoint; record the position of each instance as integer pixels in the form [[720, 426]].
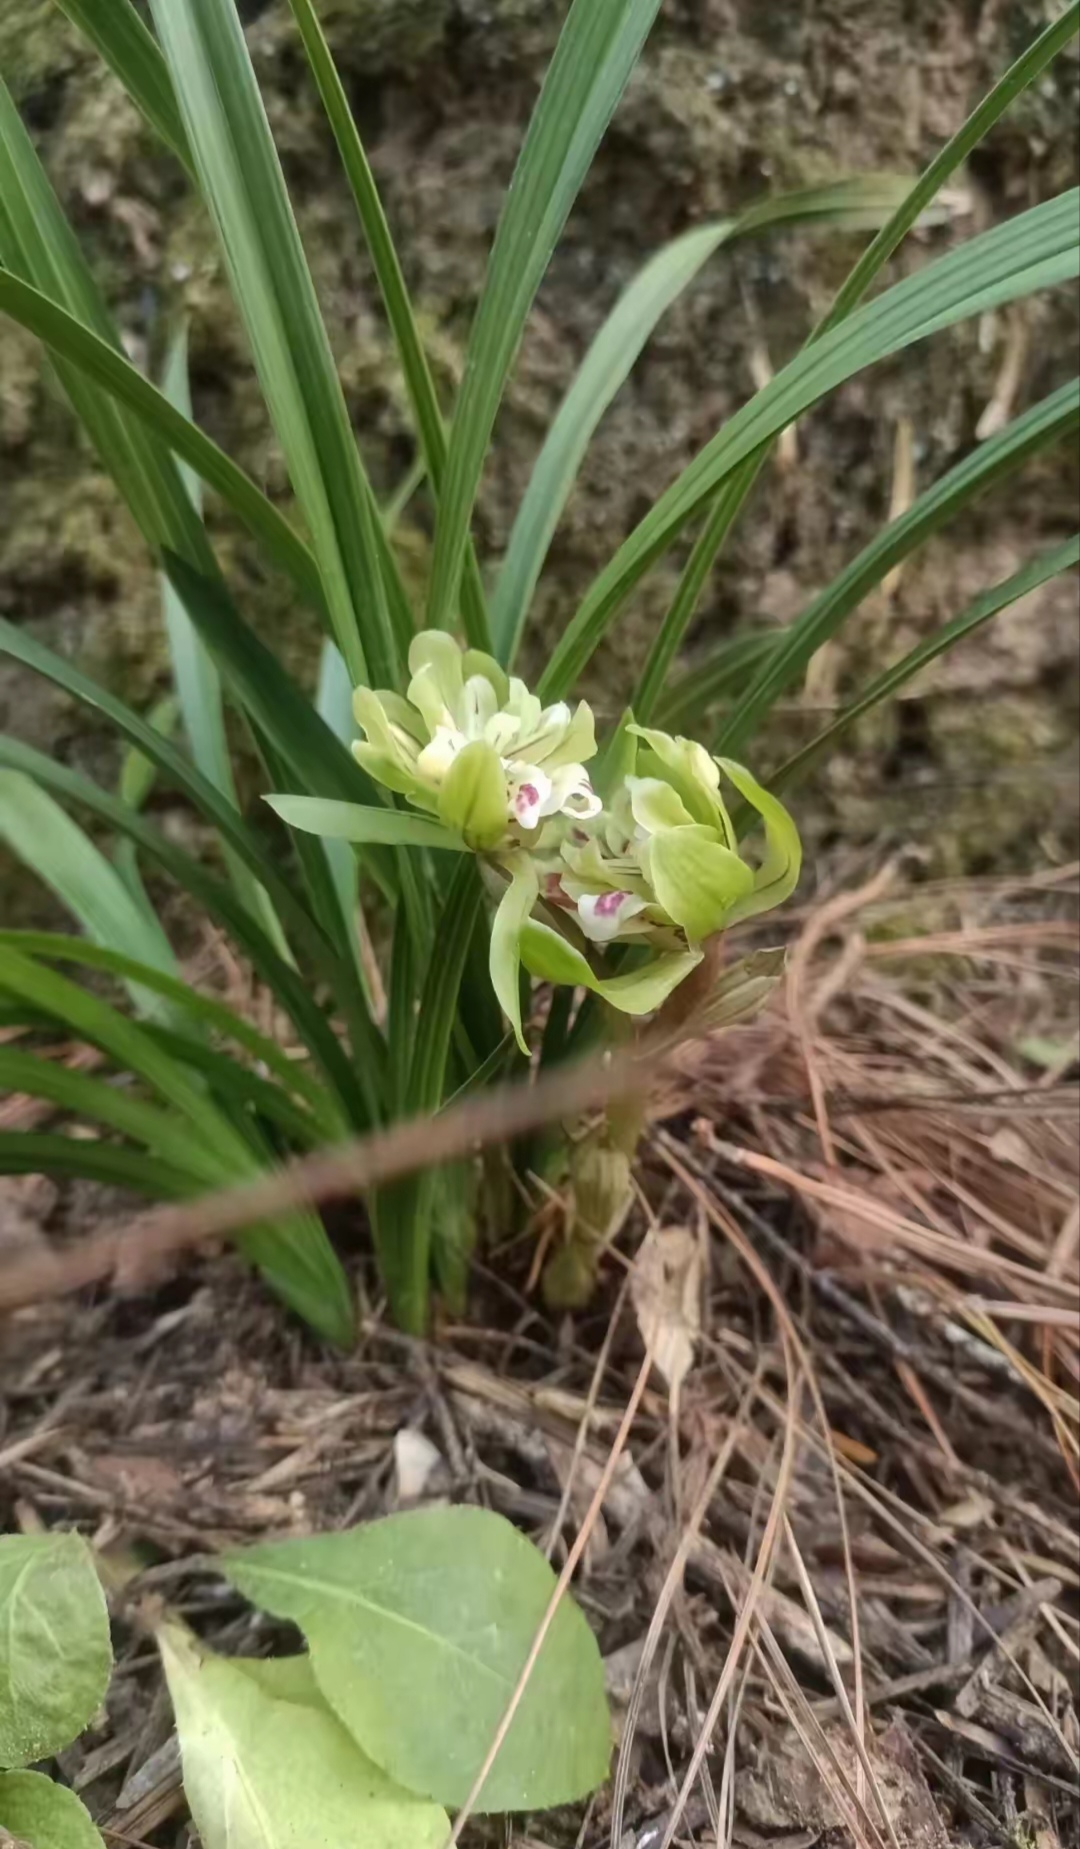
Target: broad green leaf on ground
[[37, 1814], [267, 1765], [610, 360], [418, 1628], [597, 50], [55, 1654], [1034, 250]]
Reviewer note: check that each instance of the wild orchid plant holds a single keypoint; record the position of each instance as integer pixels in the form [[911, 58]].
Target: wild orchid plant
[[653, 865], [606, 872]]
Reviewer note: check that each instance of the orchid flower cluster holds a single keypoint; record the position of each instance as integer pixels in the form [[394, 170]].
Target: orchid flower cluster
[[649, 862], [655, 865]]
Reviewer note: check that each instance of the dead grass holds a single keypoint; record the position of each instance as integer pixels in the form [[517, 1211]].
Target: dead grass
[[835, 1576]]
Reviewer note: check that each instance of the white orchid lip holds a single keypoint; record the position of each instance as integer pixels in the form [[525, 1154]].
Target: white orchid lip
[[602, 915], [455, 700]]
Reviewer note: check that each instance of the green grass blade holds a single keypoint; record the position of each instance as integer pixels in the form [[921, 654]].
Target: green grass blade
[[611, 358], [293, 1254], [113, 1106], [318, 760], [271, 698], [198, 685], [84, 355], [173, 765], [1046, 422], [402, 1213], [1034, 250], [1017, 78], [45, 839], [597, 50], [720, 675], [884, 686], [907, 213], [116, 31], [241, 181], [388, 274], [206, 1010], [719, 521], [91, 1159], [333, 703], [38, 246], [129, 1046], [220, 901], [195, 676], [242, 1092]]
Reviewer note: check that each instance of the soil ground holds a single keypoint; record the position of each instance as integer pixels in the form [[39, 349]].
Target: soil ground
[[876, 1186]]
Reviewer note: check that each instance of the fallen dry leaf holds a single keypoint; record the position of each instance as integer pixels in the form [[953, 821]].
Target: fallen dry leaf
[[665, 1286]]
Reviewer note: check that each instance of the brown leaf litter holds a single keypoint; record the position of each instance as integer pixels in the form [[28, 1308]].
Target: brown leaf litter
[[835, 1576]]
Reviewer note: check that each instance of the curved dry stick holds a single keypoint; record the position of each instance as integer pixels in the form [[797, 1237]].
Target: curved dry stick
[[328, 1174]]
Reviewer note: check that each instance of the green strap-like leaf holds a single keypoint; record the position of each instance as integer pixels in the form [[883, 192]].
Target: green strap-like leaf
[[1046, 422], [736, 490], [20, 645], [206, 1010], [89, 357], [989, 603], [597, 50], [89, 1158], [293, 1253], [55, 848], [241, 181], [610, 360], [96, 1101], [1031, 251], [719, 675], [402, 1213], [399, 311], [115, 29], [221, 902], [1017, 78]]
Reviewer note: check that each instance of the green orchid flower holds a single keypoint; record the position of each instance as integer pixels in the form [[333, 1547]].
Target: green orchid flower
[[663, 863], [659, 866], [475, 747]]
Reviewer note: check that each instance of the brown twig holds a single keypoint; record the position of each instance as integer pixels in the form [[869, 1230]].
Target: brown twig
[[329, 1174]]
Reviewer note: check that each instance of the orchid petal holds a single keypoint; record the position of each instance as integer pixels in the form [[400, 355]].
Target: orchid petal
[[504, 956]]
